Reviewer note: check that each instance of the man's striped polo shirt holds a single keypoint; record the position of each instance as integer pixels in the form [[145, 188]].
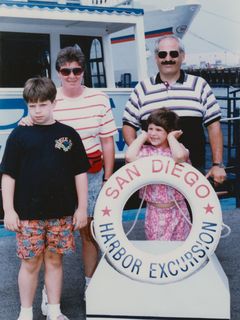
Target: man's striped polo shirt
[[190, 97]]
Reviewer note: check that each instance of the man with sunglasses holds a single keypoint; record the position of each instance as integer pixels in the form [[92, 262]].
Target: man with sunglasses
[[189, 96]]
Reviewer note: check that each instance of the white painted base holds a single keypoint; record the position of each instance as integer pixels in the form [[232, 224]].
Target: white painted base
[[203, 295]]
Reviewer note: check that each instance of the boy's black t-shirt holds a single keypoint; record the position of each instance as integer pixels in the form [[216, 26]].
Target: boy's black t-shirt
[[43, 160]]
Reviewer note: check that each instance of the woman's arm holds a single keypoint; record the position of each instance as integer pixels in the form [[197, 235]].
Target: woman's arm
[[108, 156], [135, 147]]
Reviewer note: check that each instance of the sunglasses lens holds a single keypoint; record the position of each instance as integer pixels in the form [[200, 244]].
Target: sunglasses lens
[[77, 71], [67, 71], [174, 54], [162, 54]]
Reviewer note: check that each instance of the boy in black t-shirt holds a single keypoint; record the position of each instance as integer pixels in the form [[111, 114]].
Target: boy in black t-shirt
[[44, 188]]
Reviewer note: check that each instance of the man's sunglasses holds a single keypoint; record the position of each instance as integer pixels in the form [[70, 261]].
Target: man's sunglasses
[[163, 54], [67, 71]]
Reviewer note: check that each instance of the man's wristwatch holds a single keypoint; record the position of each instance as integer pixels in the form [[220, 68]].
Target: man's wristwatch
[[218, 164]]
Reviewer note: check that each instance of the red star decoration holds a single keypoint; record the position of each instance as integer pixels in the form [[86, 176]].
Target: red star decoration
[[106, 211], [208, 209]]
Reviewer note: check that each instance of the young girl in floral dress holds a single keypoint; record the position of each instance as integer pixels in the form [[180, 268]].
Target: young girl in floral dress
[[167, 215]]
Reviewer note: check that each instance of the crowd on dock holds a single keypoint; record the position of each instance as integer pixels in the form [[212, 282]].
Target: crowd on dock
[[218, 76]]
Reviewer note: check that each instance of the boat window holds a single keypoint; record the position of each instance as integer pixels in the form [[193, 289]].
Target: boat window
[[93, 68], [97, 66], [23, 56], [96, 50]]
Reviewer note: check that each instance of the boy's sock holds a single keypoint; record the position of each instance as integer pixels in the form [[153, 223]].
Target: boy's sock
[[44, 304], [87, 281], [26, 314], [45, 290], [54, 311]]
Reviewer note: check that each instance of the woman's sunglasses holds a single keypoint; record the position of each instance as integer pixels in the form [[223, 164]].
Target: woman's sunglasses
[[67, 71], [173, 54]]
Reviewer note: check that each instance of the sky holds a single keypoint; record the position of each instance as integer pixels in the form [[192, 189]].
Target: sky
[[215, 32]]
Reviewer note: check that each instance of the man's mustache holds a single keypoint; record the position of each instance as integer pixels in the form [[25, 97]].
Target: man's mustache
[[169, 62]]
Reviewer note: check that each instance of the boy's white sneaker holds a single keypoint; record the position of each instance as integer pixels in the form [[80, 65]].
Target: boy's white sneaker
[[44, 304], [85, 289], [60, 317]]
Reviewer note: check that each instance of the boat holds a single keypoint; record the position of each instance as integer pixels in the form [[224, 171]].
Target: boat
[[113, 35], [160, 18]]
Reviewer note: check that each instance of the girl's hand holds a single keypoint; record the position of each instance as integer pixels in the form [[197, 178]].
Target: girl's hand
[[144, 135], [176, 134], [26, 121]]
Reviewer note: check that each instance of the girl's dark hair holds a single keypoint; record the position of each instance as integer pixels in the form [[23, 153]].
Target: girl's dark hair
[[70, 54], [165, 118], [39, 89]]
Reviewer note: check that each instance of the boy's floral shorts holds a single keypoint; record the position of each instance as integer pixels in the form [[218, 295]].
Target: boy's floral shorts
[[35, 236]]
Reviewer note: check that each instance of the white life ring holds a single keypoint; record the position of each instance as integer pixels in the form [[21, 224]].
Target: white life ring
[[178, 263]]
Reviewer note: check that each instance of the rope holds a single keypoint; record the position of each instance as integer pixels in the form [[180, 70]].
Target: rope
[[138, 212]]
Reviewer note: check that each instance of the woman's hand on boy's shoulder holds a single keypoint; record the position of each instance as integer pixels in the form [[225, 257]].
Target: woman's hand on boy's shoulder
[[26, 121], [80, 219]]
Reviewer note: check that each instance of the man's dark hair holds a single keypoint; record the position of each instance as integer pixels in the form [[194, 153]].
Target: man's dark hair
[[70, 54], [39, 89], [165, 118]]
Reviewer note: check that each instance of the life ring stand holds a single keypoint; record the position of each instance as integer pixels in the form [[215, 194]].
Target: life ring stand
[[178, 263]]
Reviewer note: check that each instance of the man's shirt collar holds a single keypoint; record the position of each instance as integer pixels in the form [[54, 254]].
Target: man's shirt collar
[[180, 79]]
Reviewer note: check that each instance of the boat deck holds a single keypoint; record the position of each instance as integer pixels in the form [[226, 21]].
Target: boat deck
[[73, 305]]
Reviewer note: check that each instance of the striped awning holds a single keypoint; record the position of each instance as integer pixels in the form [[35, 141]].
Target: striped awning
[[71, 6]]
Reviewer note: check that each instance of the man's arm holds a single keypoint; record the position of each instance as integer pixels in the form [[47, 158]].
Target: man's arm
[[216, 142], [108, 156], [80, 215], [129, 134], [11, 218]]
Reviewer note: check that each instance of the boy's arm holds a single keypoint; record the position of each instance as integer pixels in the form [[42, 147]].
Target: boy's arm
[[11, 218], [80, 215], [135, 147], [179, 152]]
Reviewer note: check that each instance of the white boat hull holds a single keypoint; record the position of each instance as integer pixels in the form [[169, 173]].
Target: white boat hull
[[156, 23]]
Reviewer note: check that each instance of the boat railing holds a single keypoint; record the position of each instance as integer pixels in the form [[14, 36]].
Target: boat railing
[[102, 3], [230, 105], [107, 3]]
